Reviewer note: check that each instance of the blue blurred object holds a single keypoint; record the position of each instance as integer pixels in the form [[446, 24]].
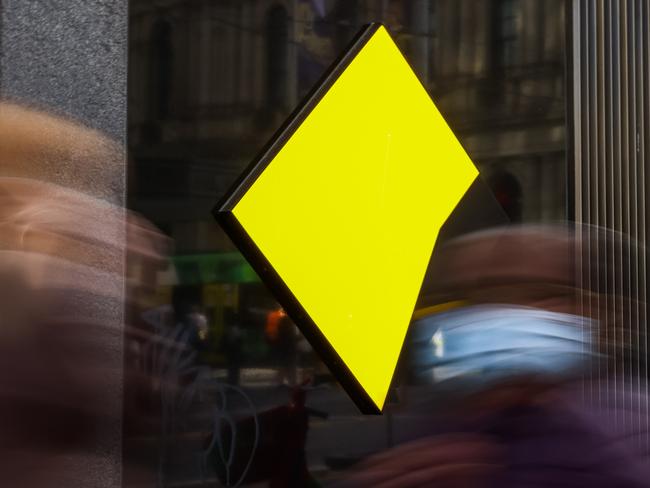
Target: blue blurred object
[[489, 343]]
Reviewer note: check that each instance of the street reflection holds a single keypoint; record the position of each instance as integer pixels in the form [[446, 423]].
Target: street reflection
[[209, 84]]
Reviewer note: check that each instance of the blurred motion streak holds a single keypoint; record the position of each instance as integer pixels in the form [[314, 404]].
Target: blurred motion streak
[[502, 369], [62, 261]]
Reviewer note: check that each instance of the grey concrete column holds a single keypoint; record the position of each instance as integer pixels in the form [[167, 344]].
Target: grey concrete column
[[69, 58]]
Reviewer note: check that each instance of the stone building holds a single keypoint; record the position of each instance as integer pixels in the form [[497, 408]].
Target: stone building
[[211, 81]]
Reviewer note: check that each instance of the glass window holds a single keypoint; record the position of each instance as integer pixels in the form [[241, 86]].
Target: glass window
[[244, 66]]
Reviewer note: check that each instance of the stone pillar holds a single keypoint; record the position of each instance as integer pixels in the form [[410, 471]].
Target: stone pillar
[[68, 58]]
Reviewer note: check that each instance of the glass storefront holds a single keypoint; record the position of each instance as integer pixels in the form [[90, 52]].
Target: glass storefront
[[209, 84]]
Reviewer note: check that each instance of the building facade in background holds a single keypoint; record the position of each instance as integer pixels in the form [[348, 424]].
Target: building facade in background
[[211, 81]]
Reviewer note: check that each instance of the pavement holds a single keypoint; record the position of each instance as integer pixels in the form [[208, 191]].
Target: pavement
[[345, 436]]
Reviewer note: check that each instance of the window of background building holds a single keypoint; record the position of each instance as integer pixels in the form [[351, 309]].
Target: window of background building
[[276, 47], [433, 38], [161, 72], [346, 18], [506, 32], [236, 61]]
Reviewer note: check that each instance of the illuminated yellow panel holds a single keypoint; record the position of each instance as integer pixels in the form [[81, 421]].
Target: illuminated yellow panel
[[348, 210]]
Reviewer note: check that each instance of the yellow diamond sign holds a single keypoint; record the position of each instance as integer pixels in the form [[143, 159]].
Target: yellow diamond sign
[[340, 214]]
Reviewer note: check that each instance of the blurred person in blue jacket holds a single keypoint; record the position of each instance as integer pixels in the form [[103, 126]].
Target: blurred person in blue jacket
[[504, 360]]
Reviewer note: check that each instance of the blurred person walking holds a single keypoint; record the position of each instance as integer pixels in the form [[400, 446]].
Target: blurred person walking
[[505, 362], [63, 249]]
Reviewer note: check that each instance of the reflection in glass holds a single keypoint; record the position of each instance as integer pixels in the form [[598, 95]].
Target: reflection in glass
[[209, 84]]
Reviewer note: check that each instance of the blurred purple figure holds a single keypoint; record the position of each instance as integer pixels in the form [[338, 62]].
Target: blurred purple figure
[[504, 346]]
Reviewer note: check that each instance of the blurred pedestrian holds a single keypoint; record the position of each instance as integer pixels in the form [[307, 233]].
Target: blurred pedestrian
[[504, 361], [63, 247]]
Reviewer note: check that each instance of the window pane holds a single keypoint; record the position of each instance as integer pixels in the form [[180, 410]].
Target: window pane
[[220, 78]]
